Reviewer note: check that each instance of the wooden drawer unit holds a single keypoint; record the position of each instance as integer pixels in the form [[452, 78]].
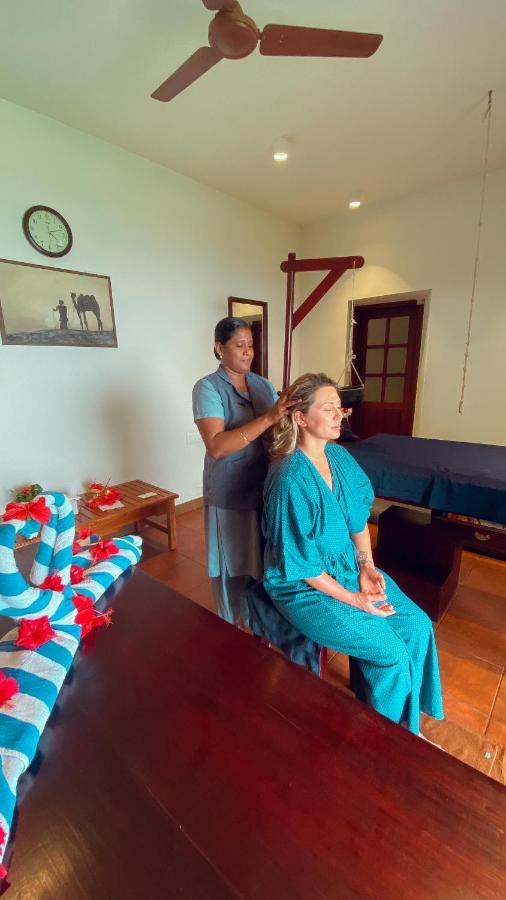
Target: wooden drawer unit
[[479, 538]]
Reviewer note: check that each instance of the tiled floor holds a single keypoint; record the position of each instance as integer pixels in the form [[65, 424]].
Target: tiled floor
[[471, 636]]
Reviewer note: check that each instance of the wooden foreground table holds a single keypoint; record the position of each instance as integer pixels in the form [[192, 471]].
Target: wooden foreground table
[[188, 761]]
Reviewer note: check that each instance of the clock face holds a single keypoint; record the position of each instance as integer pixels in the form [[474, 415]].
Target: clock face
[[47, 231]]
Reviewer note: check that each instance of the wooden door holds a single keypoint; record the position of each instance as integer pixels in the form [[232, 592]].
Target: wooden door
[[387, 346]]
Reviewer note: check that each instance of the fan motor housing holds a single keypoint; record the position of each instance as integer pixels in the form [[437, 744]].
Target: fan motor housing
[[233, 34]]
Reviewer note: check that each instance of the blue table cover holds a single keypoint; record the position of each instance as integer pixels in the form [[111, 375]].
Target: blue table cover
[[451, 476]]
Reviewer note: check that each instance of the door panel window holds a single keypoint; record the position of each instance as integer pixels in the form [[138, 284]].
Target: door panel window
[[376, 330], [399, 329], [374, 361], [396, 360]]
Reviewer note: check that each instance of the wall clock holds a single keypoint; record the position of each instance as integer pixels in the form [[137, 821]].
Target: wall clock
[[47, 231]]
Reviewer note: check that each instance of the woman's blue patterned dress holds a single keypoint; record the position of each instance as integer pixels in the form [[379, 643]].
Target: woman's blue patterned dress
[[308, 528]]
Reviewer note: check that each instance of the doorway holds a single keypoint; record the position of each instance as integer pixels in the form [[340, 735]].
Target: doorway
[[254, 312], [386, 343]]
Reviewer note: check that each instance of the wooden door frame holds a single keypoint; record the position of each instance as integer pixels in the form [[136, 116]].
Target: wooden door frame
[[423, 299], [265, 327]]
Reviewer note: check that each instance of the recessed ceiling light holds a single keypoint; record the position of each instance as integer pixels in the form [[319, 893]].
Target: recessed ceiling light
[[280, 150], [355, 200]]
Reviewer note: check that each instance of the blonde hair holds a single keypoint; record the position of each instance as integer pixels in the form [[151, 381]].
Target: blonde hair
[[285, 433]]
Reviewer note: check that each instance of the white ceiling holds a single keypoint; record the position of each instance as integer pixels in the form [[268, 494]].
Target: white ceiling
[[406, 119]]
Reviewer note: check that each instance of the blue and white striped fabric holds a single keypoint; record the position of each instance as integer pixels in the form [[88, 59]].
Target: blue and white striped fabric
[[40, 673]]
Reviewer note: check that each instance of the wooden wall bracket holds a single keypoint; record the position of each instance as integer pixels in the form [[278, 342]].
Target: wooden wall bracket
[[335, 266]]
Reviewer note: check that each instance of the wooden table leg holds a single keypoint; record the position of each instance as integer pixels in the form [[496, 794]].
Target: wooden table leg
[[171, 525]]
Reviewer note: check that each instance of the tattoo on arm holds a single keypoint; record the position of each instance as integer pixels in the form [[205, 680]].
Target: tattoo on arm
[[363, 558]]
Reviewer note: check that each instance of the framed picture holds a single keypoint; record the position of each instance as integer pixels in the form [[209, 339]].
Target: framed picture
[[42, 305]]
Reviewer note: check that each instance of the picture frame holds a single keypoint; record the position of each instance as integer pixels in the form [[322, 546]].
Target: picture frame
[[49, 306]]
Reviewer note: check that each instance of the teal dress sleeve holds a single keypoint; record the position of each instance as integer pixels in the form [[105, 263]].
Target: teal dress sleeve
[[289, 520], [357, 494], [206, 401]]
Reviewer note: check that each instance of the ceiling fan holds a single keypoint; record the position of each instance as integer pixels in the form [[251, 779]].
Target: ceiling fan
[[233, 35]]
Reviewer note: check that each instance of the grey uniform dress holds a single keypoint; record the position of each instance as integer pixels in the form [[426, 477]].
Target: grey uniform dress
[[233, 490]]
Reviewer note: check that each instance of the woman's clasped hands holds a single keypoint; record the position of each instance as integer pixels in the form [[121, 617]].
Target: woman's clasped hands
[[372, 597]]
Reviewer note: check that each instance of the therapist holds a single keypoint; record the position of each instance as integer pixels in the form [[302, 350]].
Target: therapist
[[233, 408]]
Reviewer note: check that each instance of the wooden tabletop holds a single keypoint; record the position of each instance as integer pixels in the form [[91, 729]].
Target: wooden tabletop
[[133, 507], [131, 497], [188, 761]]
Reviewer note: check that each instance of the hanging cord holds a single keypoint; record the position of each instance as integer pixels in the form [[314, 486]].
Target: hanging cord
[[350, 356], [487, 116]]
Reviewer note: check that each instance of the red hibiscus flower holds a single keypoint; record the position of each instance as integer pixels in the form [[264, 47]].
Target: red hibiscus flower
[[77, 574], [105, 497], [96, 486], [88, 620], [81, 602], [84, 533], [110, 496], [103, 550], [34, 632], [8, 687], [37, 509], [3, 836], [52, 583]]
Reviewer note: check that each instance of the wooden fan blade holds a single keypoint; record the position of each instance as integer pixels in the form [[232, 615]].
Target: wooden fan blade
[[220, 5], [202, 60], [293, 40]]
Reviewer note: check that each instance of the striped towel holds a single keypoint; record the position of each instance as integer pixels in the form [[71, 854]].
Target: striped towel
[[40, 672]]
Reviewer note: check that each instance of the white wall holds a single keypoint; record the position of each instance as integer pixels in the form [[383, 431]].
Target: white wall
[[175, 250], [426, 242]]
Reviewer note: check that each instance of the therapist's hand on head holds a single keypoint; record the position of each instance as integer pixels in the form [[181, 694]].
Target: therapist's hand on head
[[282, 408]]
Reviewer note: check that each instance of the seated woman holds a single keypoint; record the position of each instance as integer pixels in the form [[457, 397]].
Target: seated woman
[[319, 568]]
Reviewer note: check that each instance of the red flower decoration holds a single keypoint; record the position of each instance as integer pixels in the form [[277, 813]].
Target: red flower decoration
[[77, 574], [52, 583], [103, 550], [111, 495], [25, 490], [36, 509], [105, 497], [81, 602], [76, 546], [84, 533], [88, 620], [34, 632], [3, 836], [8, 687], [96, 486]]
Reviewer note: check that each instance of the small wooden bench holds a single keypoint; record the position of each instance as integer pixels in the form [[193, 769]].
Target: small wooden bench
[[134, 511], [422, 558]]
